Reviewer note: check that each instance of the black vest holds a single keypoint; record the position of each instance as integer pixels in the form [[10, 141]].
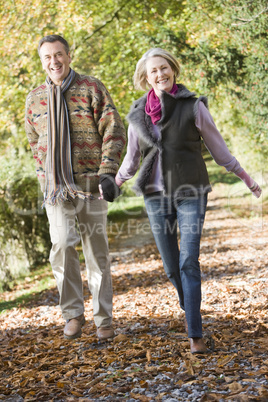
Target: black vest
[[183, 168]]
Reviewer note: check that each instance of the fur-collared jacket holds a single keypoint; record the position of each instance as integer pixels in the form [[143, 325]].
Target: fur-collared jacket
[[179, 146]]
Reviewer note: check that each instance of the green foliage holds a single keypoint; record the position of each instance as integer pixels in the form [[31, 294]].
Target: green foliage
[[222, 46], [23, 225]]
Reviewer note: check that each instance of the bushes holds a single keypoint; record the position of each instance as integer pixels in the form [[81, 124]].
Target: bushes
[[23, 224]]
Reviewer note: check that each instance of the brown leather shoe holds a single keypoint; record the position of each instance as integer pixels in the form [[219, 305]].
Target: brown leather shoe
[[105, 333], [73, 327], [198, 346]]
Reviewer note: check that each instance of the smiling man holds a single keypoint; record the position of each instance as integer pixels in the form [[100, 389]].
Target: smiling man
[[76, 136], [55, 58]]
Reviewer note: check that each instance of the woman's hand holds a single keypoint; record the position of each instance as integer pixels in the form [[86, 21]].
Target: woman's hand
[[252, 185], [256, 190]]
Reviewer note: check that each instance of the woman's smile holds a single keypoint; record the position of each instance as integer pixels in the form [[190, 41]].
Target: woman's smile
[[159, 74]]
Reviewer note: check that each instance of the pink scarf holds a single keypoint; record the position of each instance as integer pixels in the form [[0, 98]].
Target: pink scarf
[[153, 105]]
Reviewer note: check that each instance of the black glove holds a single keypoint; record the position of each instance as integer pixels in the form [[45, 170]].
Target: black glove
[[109, 187]]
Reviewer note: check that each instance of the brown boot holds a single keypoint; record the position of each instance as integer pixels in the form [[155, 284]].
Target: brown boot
[[73, 327], [105, 333], [198, 346]]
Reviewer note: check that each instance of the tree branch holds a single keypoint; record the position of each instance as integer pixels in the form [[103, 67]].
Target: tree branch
[[246, 21], [105, 23]]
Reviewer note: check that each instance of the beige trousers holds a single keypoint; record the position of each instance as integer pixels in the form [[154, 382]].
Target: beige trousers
[[69, 222]]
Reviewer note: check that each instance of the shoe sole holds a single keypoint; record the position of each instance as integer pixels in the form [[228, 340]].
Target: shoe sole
[[203, 352], [77, 335], [106, 339]]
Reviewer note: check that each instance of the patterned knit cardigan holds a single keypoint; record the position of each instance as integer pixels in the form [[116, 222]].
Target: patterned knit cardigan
[[97, 132]]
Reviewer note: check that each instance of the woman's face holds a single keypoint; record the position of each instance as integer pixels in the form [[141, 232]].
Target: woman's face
[[159, 74]]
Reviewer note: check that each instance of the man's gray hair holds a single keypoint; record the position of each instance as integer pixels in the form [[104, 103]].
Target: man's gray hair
[[51, 39]]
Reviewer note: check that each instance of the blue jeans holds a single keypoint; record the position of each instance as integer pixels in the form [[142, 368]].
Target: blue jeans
[[181, 263]]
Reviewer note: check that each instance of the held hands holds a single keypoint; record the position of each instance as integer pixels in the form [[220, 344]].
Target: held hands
[[109, 190]]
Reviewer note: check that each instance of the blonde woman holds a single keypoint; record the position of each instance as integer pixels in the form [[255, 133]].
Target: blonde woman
[[166, 128]]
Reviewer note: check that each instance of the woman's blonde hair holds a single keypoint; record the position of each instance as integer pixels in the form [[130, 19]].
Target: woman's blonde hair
[[140, 81]]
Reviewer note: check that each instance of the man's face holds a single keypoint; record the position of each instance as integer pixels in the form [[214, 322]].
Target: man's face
[[55, 61]]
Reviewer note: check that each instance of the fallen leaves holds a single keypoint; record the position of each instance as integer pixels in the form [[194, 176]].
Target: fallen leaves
[[222, 361], [149, 359], [120, 338]]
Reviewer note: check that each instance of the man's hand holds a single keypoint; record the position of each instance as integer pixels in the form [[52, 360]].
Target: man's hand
[[109, 190]]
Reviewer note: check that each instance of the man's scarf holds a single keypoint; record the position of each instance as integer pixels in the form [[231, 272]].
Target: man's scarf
[[153, 106], [59, 173]]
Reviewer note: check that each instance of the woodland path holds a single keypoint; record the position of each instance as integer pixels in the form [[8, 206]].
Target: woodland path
[[149, 359]]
